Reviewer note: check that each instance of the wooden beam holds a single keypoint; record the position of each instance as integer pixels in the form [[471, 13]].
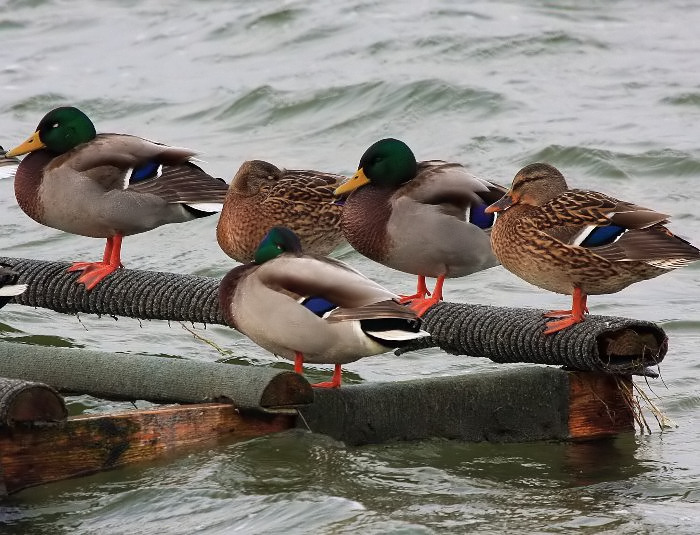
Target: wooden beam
[[81, 445], [597, 405], [514, 405]]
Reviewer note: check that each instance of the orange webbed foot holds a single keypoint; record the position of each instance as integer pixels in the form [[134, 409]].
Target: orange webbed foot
[[334, 382], [421, 292], [93, 272], [561, 324], [421, 306], [567, 317]]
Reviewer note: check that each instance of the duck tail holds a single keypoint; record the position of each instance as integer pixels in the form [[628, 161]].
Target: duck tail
[[393, 332], [12, 290]]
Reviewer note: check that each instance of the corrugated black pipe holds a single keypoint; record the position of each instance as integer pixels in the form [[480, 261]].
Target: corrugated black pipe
[[601, 343]]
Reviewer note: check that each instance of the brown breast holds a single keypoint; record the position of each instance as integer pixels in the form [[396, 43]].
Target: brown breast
[[28, 182], [364, 221]]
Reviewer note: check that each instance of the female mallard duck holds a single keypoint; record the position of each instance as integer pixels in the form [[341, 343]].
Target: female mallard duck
[[579, 242], [307, 307], [8, 166], [423, 218], [261, 196], [107, 185], [8, 285]]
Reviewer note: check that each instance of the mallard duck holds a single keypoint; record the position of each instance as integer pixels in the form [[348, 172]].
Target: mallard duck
[[8, 166], [8, 285], [107, 185], [310, 308], [580, 242], [261, 196], [423, 218]]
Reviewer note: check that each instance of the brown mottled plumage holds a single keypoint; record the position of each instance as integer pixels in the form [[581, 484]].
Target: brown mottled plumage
[[262, 196], [580, 242]]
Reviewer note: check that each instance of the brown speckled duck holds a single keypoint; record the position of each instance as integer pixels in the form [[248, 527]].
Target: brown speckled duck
[[261, 196], [310, 308], [580, 242], [422, 218], [107, 185]]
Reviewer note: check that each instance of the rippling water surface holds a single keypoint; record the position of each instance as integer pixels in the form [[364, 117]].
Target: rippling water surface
[[609, 92]]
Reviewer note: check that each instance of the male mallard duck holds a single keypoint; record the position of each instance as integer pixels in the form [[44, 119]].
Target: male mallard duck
[[8, 166], [307, 307], [107, 185], [423, 218], [8, 285], [261, 196], [579, 242]]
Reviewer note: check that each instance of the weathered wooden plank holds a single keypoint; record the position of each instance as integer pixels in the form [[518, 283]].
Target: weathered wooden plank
[[597, 405], [82, 445]]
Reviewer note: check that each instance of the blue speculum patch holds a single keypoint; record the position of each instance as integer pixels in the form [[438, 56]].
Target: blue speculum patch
[[318, 305], [146, 171], [481, 219], [603, 236]]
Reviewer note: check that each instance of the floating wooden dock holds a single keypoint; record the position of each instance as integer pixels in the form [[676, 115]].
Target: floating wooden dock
[[38, 444], [522, 403]]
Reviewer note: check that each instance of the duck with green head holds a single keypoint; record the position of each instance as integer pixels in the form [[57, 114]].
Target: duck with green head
[[580, 242], [107, 185], [426, 218], [310, 308]]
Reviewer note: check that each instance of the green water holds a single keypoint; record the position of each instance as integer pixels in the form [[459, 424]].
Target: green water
[[609, 92]]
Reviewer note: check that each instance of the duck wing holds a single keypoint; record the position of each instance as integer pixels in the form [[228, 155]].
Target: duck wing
[[119, 161], [583, 207], [382, 309], [183, 183], [654, 245], [330, 279], [296, 189], [450, 187], [616, 230]]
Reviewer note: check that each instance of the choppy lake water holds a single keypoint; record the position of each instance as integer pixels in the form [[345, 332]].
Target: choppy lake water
[[609, 92]]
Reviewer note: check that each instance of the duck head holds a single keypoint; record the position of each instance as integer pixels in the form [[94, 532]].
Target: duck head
[[61, 130], [388, 162], [534, 184], [278, 240]]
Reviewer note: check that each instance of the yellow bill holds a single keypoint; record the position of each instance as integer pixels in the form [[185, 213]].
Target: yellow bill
[[31, 144], [358, 180]]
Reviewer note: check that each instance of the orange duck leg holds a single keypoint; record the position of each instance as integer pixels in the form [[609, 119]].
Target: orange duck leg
[[333, 383], [94, 272], [568, 317]]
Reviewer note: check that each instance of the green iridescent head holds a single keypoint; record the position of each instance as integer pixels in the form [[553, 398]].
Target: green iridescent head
[[61, 130], [278, 240], [388, 162]]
